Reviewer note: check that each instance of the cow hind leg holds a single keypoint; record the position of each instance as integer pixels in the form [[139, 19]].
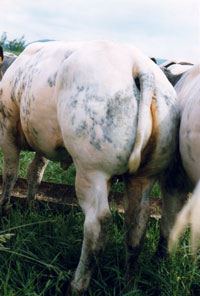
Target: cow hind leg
[[175, 186], [172, 202], [10, 171], [189, 215], [92, 193], [35, 173], [137, 213]]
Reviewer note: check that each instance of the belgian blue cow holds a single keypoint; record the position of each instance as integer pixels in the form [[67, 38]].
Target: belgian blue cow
[[105, 106]]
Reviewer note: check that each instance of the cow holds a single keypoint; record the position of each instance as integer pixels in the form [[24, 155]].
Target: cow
[[188, 92], [174, 70], [1, 60], [176, 67], [7, 60], [106, 107], [1, 54]]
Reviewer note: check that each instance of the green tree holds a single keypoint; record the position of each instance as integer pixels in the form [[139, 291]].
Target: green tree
[[17, 44], [3, 39]]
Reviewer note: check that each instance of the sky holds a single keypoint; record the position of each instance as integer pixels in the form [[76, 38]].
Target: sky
[[168, 29]]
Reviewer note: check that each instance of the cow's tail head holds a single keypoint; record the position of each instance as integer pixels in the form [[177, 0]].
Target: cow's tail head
[[147, 85], [189, 215]]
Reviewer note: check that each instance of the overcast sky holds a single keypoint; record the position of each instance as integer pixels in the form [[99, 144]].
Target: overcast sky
[[161, 28]]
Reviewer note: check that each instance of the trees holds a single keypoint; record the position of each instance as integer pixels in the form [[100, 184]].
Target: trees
[[16, 45]]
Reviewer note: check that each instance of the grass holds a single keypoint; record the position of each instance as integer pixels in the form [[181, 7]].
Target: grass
[[40, 257], [40, 249], [12, 51]]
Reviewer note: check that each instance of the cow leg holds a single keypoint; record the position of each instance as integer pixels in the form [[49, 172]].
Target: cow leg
[[10, 171], [173, 199], [92, 193], [35, 173], [175, 186], [172, 203], [137, 213]]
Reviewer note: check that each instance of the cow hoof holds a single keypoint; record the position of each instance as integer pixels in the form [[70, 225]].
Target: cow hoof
[[129, 283], [69, 291], [73, 292]]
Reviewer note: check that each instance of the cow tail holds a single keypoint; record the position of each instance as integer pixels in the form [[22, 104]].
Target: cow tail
[[144, 115], [189, 215]]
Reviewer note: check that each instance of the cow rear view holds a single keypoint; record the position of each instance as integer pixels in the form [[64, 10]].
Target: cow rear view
[[88, 107]]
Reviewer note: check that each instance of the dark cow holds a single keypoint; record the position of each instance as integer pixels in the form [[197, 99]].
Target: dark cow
[[8, 59], [81, 101], [1, 54]]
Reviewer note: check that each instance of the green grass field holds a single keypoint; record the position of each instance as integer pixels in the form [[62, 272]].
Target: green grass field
[[41, 255]]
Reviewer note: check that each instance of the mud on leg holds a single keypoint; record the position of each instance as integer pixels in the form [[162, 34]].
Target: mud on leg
[[92, 193], [136, 217]]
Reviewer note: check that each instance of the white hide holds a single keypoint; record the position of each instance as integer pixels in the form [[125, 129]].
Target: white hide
[[188, 216], [188, 91], [44, 72], [82, 99]]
